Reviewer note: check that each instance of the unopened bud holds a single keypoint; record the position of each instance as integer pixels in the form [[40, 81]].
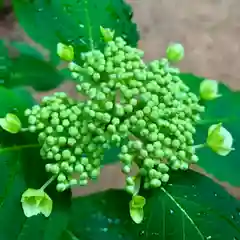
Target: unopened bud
[[11, 123], [175, 52], [107, 34], [219, 139], [209, 89], [65, 52]]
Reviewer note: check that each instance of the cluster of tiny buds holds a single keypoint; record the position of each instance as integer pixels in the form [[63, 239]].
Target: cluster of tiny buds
[[147, 104], [66, 144]]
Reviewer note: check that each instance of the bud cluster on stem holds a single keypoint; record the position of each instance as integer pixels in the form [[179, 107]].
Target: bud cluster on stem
[[126, 98]]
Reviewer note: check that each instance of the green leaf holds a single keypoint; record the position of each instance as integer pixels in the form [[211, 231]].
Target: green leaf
[[68, 235], [226, 110], [26, 49], [21, 168], [4, 62], [15, 100], [192, 206], [27, 70], [75, 22], [111, 155]]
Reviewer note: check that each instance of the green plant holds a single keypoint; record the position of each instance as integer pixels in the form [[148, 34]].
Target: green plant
[[148, 116]]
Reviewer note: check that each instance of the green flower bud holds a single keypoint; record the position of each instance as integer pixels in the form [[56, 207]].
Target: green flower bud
[[65, 52], [49, 130], [84, 161], [148, 163], [83, 182], [61, 177], [209, 89], [130, 189], [50, 155], [126, 169], [59, 128], [107, 34], [159, 153], [137, 213], [194, 159], [219, 139], [165, 177], [184, 166], [51, 140], [40, 126], [83, 176], [65, 123], [162, 167], [130, 181], [94, 173], [36, 201], [143, 153], [66, 154], [62, 141], [152, 173], [176, 165], [27, 112], [72, 66], [73, 182], [11, 123], [155, 183], [61, 187], [79, 168], [73, 131], [58, 157], [175, 52]]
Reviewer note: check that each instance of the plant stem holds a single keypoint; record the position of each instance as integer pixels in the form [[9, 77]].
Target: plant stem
[[71, 235], [20, 147], [46, 184], [222, 120], [199, 146], [24, 129]]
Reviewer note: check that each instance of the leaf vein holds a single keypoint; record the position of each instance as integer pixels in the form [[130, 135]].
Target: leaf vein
[[184, 212]]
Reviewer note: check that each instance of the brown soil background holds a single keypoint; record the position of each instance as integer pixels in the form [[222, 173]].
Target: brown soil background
[[209, 31]]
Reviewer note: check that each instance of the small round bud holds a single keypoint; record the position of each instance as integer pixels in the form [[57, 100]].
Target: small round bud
[[61, 187], [130, 189], [126, 169], [209, 89], [66, 154], [61, 177], [155, 183], [65, 52], [165, 177], [73, 182], [175, 52]]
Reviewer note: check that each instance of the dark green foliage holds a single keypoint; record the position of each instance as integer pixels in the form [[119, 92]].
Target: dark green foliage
[[226, 110], [26, 49], [14, 100], [27, 68], [192, 207], [76, 21], [111, 155]]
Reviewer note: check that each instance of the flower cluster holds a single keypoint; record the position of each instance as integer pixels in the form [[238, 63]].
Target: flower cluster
[[146, 104], [126, 98]]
